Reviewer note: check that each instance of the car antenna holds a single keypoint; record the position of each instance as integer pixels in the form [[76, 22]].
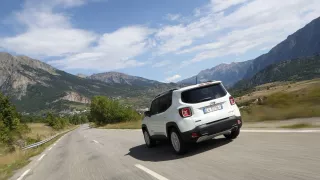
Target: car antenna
[[196, 80]]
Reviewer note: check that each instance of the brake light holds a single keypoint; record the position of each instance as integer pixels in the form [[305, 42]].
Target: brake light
[[232, 101], [185, 112], [194, 135]]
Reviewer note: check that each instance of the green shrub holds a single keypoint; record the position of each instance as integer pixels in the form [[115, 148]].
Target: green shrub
[[10, 127], [106, 111]]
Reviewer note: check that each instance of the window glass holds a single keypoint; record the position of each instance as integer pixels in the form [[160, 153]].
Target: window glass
[[154, 106], [165, 102], [203, 94]]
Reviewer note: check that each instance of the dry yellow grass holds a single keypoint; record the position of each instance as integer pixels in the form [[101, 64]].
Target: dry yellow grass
[[40, 131], [18, 159], [12, 161], [296, 100], [123, 125], [275, 87]]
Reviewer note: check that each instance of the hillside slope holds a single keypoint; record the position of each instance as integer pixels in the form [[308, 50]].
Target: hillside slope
[[291, 70], [35, 86], [121, 78], [227, 73], [304, 42]]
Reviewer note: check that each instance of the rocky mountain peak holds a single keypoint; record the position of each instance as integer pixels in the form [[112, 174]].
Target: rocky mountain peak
[[113, 77]]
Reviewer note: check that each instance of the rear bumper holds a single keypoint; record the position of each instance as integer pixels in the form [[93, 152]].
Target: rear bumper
[[213, 129]]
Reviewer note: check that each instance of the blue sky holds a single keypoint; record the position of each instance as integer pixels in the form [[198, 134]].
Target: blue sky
[[165, 40]]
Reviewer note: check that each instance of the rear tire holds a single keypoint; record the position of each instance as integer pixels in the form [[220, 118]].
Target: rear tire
[[178, 145], [148, 140], [233, 134]]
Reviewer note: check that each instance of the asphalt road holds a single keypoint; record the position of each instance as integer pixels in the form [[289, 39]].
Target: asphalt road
[[100, 154]]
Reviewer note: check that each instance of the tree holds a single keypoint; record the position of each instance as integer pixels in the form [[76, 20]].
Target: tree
[[104, 110], [11, 128]]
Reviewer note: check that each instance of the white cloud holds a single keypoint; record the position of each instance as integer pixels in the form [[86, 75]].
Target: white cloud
[[70, 3], [255, 24], [220, 28], [51, 34], [114, 51], [47, 33], [173, 78], [161, 63], [220, 5], [49, 42], [207, 46], [173, 17], [173, 38]]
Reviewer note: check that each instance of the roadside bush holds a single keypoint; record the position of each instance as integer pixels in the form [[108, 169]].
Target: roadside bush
[[10, 127], [78, 119], [106, 111]]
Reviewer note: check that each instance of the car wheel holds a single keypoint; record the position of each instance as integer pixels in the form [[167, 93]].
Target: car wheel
[[178, 145], [148, 140], [234, 134]]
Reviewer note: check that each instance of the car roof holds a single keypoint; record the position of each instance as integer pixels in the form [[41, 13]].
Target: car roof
[[198, 85], [164, 93], [187, 88]]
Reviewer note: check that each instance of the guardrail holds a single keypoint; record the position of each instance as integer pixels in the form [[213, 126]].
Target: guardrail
[[42, 142]]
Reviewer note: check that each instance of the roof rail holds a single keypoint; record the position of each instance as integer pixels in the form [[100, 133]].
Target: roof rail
[[163, 93]]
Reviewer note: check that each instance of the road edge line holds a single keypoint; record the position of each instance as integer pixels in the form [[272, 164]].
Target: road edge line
[[152, 173], [24, 174]]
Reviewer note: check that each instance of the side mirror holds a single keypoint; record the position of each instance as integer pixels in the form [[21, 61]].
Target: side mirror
[[147, 113]]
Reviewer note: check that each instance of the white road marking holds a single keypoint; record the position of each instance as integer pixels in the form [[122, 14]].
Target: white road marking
[[152, 173], [41, 157], [96, 141], [22, 176], [280, 131], [84, 136], [54, 144], [49, 148]]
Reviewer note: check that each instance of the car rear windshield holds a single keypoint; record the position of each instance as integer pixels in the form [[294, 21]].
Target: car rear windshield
[[202, 94]]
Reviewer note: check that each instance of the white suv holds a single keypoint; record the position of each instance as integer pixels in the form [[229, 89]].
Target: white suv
[[191, 114]]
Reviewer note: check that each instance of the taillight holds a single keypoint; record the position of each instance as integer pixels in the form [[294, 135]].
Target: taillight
[[232, 101], [185, 112], [194, 135]]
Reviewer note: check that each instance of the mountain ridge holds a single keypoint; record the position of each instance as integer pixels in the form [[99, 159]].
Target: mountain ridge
[[113, 77], [304, 42], [224, 72], [298, 69], [35, 86]]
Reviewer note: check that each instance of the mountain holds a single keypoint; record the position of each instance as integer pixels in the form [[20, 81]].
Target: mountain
[[81, 75], [121, 78], [291, 70], [228, 73], [35, 86], [305, 42]]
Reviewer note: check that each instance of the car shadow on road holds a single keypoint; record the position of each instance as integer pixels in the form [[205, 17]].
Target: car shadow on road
[[164, 152]]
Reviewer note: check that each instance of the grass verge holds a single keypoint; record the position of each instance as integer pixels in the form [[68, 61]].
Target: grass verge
[[285, 105], [299, 126], [122, 125], [40, 131], [20, 158]]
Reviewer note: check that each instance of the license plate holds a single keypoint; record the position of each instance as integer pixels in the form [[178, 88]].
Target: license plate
[[212, 108]]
